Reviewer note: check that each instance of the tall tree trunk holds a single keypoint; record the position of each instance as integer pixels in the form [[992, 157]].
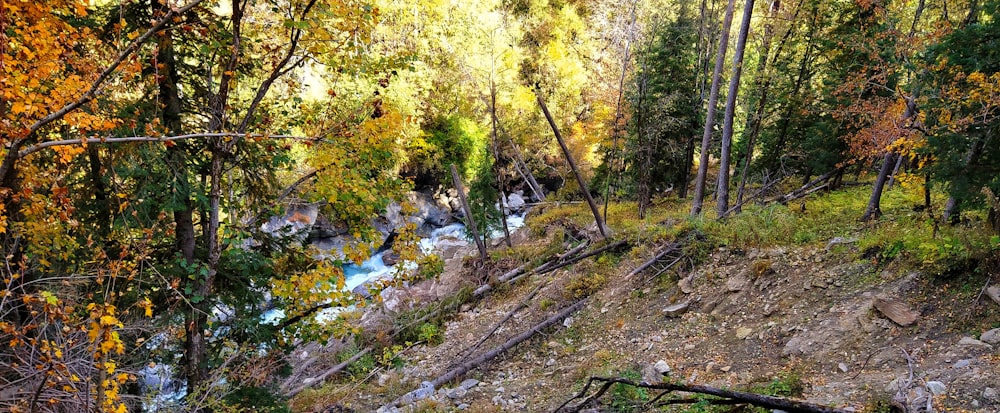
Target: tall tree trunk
[[496, 161], [722, 206], [874, 210], [762, 82], [713, 99], [471, 221], [619, 112], [572, 165], [951, 207]]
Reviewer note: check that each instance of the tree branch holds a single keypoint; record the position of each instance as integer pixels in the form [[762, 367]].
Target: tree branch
[[109, 140], [729, 396]]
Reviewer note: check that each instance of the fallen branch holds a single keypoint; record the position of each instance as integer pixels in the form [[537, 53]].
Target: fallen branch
[[666, 250], [522, 305], [467, 366], [796, 193], [728, 396], [307, 383], [584, 256]]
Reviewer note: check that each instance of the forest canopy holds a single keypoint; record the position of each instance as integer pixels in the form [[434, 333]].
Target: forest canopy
[[145, 143]]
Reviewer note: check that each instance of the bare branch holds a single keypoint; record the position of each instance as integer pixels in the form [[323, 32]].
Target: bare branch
[[80, 141]]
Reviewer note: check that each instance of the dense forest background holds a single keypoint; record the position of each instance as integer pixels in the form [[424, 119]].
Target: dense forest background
[[145, 142]]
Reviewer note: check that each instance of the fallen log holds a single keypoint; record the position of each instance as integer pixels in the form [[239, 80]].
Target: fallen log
[[474, 363], [312, 381], [663, 252], [728, 397], [795, 194], [522, 305], [584, 256]]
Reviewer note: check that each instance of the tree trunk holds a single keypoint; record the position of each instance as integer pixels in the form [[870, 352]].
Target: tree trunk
[[471, 222], [722, 206], [496, 161], [762, 82], [951, 207], [619, 114], [874, 209], [713, 99], [572, 165]]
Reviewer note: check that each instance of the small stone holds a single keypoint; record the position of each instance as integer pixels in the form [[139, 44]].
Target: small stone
[[550, 362], [656, 339], [991, 394], [743, 332], [662, 367], [842, 367], [936, 388], [737, 283], [468, 384], [676, 310], [726, 369], [457, 393], [961, 364], [568, 322], [991, 336], [463, 406], [689, 347], [500, 389]]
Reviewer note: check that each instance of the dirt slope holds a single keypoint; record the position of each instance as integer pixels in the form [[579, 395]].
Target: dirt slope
[[764, 319]]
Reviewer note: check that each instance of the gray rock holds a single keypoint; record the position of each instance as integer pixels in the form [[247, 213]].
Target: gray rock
[[662, 367], [991, 336], [994, 293], [961, 364], [456, 393], [842, 367], [737, 283], [936, 388], [676, 310], [463, 406], [468, 384], [991, 395], [515, 202], [971, 342]]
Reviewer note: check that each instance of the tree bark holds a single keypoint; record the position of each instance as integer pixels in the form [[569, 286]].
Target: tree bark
[[722, 206], [951, 207], [471, 222], [572, 165], [713, 99]]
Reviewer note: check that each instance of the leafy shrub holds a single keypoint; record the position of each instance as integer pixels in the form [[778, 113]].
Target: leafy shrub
[[625, 398], [586, 284]]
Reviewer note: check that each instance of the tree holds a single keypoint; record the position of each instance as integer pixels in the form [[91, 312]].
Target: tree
[[706, 139], [722, 206]]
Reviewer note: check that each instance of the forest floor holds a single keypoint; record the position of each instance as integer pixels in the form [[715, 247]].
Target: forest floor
[[801, 319]]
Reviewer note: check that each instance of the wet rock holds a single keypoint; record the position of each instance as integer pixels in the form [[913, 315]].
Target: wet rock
[[515, 202], [991, 336], [896, 311]]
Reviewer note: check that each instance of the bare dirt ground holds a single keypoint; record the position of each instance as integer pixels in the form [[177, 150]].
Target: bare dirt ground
[[758, 317]]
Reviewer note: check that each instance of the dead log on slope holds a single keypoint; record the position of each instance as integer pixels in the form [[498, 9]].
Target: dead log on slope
[[728, 397], [584, 256], [520, 306], [474, 363], [672, 247]]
